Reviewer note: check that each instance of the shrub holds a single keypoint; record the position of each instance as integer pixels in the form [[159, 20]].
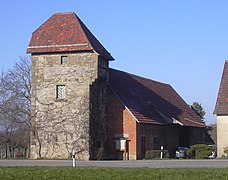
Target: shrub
[[226, 151], [199, 151], [156, 154]]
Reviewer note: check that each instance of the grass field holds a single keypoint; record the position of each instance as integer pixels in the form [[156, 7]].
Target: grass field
[[24, 173]]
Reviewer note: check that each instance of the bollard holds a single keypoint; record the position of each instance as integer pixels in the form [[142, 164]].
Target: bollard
[[73, 157], [161, 152]]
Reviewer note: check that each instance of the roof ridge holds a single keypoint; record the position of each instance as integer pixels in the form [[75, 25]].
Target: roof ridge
[[70, 12], [145, 78], [51, 17]]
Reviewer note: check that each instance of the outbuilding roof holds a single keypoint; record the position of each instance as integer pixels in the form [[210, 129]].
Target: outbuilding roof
[[65, 32], [221, 107], [152, 101]]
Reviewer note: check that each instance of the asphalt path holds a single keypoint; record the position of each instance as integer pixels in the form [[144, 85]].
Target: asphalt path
[[207, 163]]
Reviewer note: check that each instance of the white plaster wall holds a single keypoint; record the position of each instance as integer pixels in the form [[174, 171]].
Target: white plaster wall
[[222, 134]]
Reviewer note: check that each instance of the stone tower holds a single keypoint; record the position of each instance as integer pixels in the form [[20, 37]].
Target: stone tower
[[69, 90]]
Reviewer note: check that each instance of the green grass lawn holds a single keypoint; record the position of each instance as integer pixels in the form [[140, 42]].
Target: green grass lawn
[[24, 173]]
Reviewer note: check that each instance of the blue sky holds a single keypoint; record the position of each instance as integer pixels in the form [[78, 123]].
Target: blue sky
[[182, 43]]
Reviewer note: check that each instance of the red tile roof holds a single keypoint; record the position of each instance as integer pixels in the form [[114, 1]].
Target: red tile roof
[[65, 32], [221, 107], [151, 101]]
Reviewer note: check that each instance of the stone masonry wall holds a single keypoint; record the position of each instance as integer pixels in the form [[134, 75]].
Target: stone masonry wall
[[59, 126], [98, 113]]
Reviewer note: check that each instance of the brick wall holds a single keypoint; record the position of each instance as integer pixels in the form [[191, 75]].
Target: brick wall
[[120, 124], [144, 137]]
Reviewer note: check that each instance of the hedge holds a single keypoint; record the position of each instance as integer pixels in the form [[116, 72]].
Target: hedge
[[199, 151], [156, 154]]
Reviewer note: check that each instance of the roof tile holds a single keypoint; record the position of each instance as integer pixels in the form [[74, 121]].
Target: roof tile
[[65, 32], [221, 107], [151, 101]]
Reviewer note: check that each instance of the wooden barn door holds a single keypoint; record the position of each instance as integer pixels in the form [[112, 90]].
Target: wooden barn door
[[184, 136], [143, 147]]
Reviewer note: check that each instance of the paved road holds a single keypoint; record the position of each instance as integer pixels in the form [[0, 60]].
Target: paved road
[[208, 163]]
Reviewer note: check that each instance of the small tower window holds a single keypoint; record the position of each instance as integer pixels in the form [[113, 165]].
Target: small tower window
[[60, 92], [63, 60]]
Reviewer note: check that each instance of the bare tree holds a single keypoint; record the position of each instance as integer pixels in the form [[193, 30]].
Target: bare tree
[[17, 120], [15, 105]]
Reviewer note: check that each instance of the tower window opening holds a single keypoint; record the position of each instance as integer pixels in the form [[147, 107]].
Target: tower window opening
[[63, 60], [60, 92]]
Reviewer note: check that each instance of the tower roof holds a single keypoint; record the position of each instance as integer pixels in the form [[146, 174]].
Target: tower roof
[[65, 32], [221, 107]]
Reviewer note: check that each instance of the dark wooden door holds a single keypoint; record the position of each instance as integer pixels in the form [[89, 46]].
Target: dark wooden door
[[143, 147]]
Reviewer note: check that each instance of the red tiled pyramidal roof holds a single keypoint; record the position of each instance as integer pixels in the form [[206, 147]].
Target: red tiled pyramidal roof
[[221, 107], [65, 32], [151, 101]]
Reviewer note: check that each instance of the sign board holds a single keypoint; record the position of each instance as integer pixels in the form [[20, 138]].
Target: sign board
[[121, 144]]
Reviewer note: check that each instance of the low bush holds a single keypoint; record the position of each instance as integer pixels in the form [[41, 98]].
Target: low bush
[[226, 151], [156, 154], [199, 151]]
